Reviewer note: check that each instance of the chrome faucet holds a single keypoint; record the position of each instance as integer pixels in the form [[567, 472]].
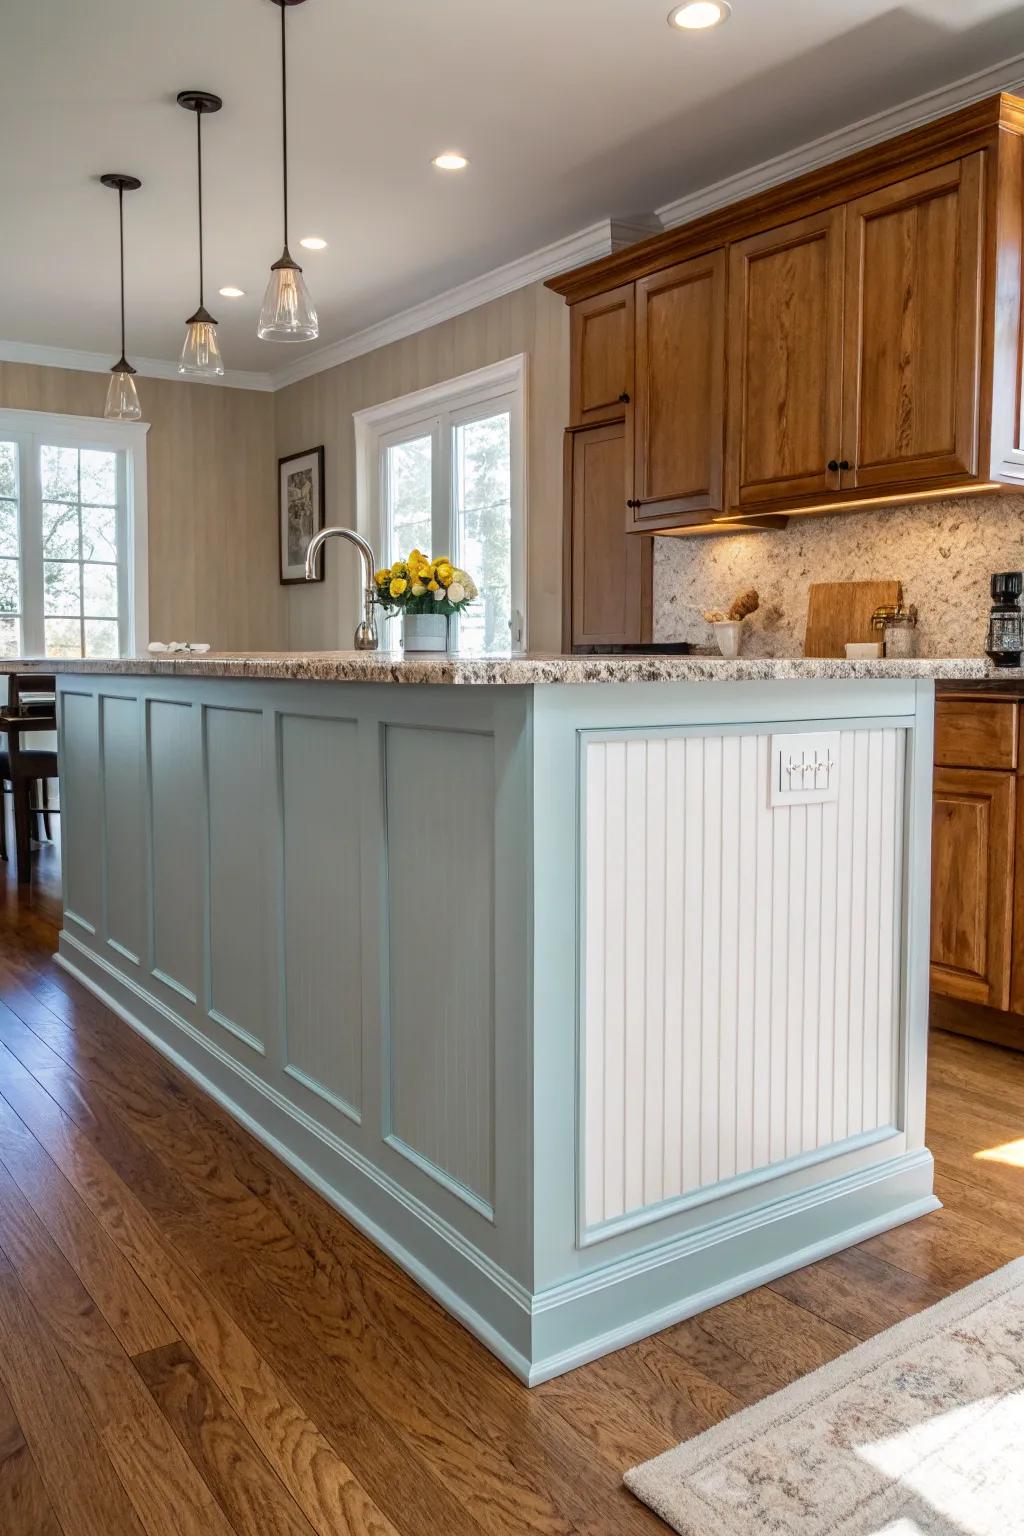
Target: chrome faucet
[[366, 629]]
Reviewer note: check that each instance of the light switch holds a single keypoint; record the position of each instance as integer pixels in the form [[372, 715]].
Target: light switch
[[805, 768]]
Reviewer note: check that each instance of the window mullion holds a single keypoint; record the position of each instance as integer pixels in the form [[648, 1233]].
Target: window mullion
[[30, 535]]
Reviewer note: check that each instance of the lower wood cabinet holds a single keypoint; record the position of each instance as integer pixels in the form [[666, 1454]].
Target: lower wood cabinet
[[609, 572], [972, 884], [977, 924]]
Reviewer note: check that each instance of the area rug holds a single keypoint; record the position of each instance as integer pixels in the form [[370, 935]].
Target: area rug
[[919, 1430]]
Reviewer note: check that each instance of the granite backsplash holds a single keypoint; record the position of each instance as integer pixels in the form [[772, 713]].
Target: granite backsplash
[[943, 552]]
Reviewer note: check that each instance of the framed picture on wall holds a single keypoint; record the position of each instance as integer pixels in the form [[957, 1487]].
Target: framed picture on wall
[[300, 510]]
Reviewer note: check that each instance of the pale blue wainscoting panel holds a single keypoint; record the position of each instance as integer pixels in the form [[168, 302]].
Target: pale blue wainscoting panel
[[174, 777], [439, 807], [397, 930], [322, 892], [80, 802], [124, 827], [236, 839]]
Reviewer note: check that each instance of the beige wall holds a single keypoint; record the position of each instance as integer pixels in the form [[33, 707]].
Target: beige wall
[[212, 500], [320, 409]]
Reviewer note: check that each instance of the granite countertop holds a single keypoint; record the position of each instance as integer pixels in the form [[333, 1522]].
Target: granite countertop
[[534, 668]]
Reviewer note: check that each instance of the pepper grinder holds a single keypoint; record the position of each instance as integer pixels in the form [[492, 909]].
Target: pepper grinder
[[1006, 622]]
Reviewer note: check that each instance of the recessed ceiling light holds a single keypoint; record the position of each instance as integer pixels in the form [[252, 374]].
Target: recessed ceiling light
[[231, 293], [450, 160], [313, 243], [698, 15]]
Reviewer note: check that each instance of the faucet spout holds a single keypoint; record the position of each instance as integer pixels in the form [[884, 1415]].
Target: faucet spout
[[366, 629]]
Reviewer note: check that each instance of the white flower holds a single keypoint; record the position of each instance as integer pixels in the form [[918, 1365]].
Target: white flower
[[418, 589], [456, 592], [440, 595]]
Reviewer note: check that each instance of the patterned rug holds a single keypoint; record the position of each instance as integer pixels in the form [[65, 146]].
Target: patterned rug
[[918, 1432]]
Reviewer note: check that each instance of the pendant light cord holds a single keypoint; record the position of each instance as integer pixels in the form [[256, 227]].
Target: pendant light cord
[[120, 221], [199, 163], [284, 118]]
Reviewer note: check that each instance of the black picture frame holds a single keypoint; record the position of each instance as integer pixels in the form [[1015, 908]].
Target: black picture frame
[[300, 511]]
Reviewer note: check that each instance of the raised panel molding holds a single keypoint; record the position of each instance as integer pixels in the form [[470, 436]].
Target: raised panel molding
[[80, 801], [726, 1071], [172, 775], [236, 875], [439, 1029], [320, 908], [123, 823]]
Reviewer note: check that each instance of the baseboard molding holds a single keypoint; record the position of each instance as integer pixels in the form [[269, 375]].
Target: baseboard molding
[[602, 1309]]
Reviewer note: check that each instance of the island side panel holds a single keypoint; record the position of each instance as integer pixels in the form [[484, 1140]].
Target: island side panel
[[331, 885], [730, 1010]]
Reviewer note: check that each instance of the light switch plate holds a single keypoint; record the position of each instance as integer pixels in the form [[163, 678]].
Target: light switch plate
[[805, 768]]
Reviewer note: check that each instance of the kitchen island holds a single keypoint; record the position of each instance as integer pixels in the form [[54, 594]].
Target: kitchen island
[[593, 989]]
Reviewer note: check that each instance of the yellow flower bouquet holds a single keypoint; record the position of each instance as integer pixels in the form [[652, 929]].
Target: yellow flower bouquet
[[420, 585]]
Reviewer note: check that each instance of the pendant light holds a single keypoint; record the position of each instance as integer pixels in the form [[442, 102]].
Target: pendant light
[[200, 353], [122, 396], [287, 313]]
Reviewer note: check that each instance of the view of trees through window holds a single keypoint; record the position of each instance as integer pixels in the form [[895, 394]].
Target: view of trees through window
[[10, 581], [79, 489], [475, 530]]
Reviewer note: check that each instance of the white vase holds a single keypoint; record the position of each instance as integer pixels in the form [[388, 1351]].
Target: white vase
[[728, 633], [424, 632]]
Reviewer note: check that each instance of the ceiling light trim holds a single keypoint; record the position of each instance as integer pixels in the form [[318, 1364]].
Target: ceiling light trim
[[864, 134]]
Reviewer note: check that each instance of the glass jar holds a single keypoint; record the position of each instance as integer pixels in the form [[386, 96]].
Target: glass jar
[[898, 628]]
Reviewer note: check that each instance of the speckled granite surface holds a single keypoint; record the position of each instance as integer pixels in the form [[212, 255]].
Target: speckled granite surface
[[392, 667], [943, 552]]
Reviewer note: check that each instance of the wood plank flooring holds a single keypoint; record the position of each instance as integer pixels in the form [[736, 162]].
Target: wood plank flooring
[[192, 1343]]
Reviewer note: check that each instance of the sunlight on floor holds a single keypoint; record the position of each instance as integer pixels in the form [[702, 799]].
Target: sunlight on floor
[[1011, 1153], [965, 1464]]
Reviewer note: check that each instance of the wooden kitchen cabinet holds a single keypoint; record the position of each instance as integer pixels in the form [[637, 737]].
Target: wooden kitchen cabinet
[[610, 573], [785, 343], [677, 417], [602, 343], [972, 884], [912, 332]]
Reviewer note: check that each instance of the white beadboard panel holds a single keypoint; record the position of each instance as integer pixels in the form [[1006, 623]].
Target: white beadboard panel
[[741, 965], [236, 874], [323, 981], [440, 804], [175, 790], [123, 823], [80, 803]]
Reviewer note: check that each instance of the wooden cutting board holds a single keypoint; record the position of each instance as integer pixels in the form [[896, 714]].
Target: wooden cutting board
[[838, 611]]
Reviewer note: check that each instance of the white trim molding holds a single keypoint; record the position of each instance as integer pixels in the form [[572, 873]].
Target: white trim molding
[[1006, 76], [145, 367]]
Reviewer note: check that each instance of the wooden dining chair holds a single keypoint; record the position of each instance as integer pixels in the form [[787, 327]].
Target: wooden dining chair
[[31, 707]]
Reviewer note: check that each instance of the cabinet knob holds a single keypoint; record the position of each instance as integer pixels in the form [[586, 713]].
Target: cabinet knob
[[844, 463], [624, 398], [631, 503], [832, 464]]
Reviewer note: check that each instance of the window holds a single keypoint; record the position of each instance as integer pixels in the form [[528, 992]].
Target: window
[[73, 579], [442, 471]]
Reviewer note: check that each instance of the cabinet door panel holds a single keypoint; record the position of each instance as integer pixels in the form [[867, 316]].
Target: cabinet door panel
[[602, 357], [678, 413], [913, 307], [785, 361], [972, 884], [611, 569]]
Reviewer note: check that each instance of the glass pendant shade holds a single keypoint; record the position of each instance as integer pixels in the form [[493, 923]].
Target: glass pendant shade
[[201, 352], [287, 313], [122, 396]]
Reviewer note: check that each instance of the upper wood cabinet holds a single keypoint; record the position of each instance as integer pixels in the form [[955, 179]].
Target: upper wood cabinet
[[912, 344], [677, 415], [785, 350], [602, 352], [874, 334]]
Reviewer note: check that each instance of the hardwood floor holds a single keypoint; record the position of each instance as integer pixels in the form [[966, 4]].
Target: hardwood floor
[[191, 1341]]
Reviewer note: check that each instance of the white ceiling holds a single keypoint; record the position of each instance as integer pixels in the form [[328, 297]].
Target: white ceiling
[[570, 110]]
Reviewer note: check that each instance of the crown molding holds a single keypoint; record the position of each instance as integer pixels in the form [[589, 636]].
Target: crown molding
[[145, 367], [1005, 76], [588, 244]]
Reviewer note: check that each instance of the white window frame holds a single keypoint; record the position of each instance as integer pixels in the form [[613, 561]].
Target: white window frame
[[434, 412], [30, 430]]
